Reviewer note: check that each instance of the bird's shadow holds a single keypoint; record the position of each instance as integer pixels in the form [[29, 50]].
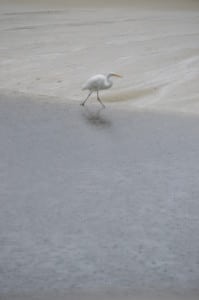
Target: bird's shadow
[[95, 116]]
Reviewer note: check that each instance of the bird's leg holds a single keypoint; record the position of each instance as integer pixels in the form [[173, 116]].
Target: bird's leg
[[98, 98], [86, 98]]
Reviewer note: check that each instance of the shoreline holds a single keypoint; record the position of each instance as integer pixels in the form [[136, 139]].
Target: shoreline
[[121, 107]]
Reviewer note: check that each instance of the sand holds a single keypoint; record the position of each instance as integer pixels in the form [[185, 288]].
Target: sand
[[99, 203], [48, 50]]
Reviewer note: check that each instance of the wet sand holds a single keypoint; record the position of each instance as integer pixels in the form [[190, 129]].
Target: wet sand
[[96, 200], [99, 203]]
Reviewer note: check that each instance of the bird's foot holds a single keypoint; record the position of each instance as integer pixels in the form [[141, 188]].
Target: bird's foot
[[102, 104], [82, 104]]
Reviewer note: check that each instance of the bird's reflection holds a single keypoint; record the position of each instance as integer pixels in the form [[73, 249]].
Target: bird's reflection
[[95, 116]]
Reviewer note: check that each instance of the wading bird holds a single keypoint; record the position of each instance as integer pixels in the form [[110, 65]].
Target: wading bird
[[97, 83]]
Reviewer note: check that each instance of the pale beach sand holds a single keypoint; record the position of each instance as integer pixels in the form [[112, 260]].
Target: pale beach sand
[[99, 203], [51, 51]]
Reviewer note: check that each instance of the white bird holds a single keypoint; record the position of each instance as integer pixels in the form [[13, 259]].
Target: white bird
[[97, 83]]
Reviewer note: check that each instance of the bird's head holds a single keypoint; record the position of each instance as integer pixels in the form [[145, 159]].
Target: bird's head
[[114, 75]]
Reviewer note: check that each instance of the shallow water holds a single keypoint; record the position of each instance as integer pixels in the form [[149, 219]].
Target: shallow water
[[96, 200]]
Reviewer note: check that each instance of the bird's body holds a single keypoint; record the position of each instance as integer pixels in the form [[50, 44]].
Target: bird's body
[[97, 83]]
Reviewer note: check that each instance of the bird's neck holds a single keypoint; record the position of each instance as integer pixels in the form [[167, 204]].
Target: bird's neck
[[109, 81], [108, 76]]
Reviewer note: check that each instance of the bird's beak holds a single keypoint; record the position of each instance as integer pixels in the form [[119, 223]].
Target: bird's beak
[[117, 75]]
